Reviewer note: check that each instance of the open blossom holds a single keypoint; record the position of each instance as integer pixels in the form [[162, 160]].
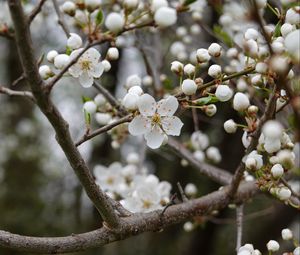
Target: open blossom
[[156, 120], [87, 67]]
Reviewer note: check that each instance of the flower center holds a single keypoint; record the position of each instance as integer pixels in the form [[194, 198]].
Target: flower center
[[156, 119], [146, 204], [85, 65]]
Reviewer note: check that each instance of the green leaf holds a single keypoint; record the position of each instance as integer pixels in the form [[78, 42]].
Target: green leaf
[[206, 100], [167, 84], [68, 50], [188, 2], [277, 32], [99, 17], [86, 99], [87, 118], [223, 35]]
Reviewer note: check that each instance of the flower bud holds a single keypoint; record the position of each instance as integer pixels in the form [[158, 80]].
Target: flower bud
[[189, 69], [251, 164], [202, 56], [106, 64], [61, 61], [45, 72], [272, 129], [74, 41], [136, 90], [177, 67], [230, 126], [223, 93], [251, 33], [130, 101], [133, 80], [51, 55], [261, 67], [214, 71], [92, 5], [90, 107], [213, 154], [147, 81], [287, 234], [214, 50], [188, 226], [277, 171], [100, 100], [210, 110], [273, 246], [189, 87], [240, 102], [286, 28], [199, 155], [165, 16], [103, 118], [131, 4], [115, 22], [69, 8], [284, 193], [133, 158], [112, 53], [190, 189]]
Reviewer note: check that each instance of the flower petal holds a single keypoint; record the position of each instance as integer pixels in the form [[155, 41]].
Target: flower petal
[[86, 80], [172, 125], [97, 70], [146, 105], [139, 125], [155, 137], [92, 54], [75, 70], [168, 106]]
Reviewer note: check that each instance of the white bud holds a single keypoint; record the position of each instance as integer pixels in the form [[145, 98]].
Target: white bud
[[261, 67], [156, 4], [131, 4], [199, 155], [133, 80], [115, 22], [277, 171], [106, 64], [165, 16], [214, 71], [251, 47], [287, 234], [181, 31], [232, 53], [189, 87], [190, 189], [189, 69], [214, 50], [230, 126], [284, 193], [100, 100], [177, 67], [213, 154], [292, 15], [112, 53], [251, 163], [241, 85], [184, 162], [69, 8], [61, 61], [51, 55], [136, 90], [272, 129], [210, 110], [261, 3], [240, 102], [296, 251], [115, 144], [74, 41], [286, 158], [277, 47], [195, 29], [147, 81], [252, 109], [188, 226], [273, 246], [90, 107], [130, 101], [103, 118], [251, 33], [202, 55], [92, 5], [45, 72], [286, 28], [133, 158], [223, 93], [292, 44]]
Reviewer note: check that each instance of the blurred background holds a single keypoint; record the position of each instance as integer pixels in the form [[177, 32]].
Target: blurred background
[[39, 193]]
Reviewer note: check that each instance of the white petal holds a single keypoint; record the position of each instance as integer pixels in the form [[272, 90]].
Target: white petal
[[147, 105], [97, 70], [154, 138], [168, 106], [172, 125], [92, 54], [86, 80], [139, 125], [75, 70]]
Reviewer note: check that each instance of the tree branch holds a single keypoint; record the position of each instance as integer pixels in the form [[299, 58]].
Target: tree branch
[[61, 20], [131, 226], [11, 92], [63, 136], [36, 11]]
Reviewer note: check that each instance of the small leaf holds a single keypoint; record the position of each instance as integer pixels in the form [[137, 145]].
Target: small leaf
[[99, 17], [223, 35], [277, 32], [86, 99], [167, 84], [87, 118], [206, 100]]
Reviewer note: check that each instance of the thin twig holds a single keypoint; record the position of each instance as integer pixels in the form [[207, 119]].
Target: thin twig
[[106, 128], [36, 11], [61, 20], [239, 225], [182, 194], [294, 193], [19, 79], [11, 92]]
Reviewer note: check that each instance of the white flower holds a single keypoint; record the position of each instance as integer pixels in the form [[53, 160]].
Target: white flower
[[230, 126], [92, 4], [156, 4], [177, 67], [136, 90], [287, 234], [251, 33], [190, 189], [292, 15], [286, 158], [100, 100], [251, 47], [131, 4], [273, 246], [199, 155], [45, 72], [258, 160], [296, 251], [133, 80], [284, 193], [292, 44], [202, 55], [69, 8], [189, 87], [261, 67], [51, 55], [90, 107], [61, 60], [240, 102], [272, 145], [156, 120], [147, 81], [106, 64], [103, 118], [189, 69], [277, 171], [214, 71], [210, 110], [74, 41], [115, 22], [112, 53], [214, 50], [199, 140], [130, 101], [133, 158], [272, 129], [223, 93], [87, 67], [165, 16], [213, 154], [246, 249], [286, 28]]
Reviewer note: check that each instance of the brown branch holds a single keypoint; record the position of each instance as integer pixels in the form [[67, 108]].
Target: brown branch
[[103, 129], [131, 226], [7, 35], [63, 136], [10, 92], [239, 225], [36, 11], [61, 20], [214, 173]]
